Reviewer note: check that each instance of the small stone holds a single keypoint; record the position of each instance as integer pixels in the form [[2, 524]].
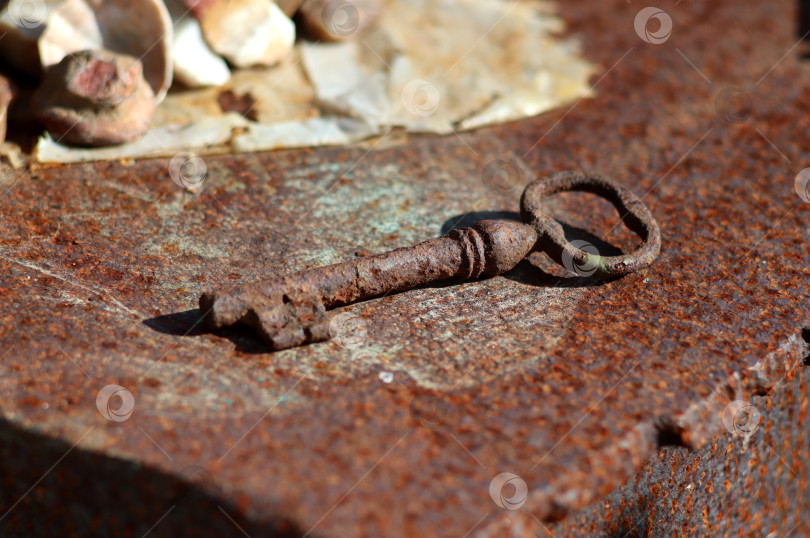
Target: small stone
[[246, 32], [95, 98], [338, 20], [38, 34], [195, 64], [5, 101]]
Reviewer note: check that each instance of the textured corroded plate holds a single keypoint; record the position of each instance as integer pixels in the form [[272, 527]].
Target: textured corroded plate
[[407, 425]]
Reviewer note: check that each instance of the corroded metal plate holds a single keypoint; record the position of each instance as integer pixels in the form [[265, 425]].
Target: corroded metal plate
[[568, 383]]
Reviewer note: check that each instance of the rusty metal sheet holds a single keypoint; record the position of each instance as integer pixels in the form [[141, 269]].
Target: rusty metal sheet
[[567, 383], [752, 480]]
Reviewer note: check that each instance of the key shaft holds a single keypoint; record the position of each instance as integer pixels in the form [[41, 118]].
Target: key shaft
[[289, 310]]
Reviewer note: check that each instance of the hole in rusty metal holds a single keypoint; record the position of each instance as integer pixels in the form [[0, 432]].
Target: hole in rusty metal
[[806, 338], [668, 433]]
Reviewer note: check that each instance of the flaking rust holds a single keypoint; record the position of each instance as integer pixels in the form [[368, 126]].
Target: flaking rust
[[290, 310]]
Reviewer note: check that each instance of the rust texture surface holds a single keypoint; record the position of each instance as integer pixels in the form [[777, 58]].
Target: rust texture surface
[[749, 481], [566, 382]]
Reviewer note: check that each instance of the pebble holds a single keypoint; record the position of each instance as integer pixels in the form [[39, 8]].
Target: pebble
[[246, 32], [195, 64], [5, 100], [95, 98]]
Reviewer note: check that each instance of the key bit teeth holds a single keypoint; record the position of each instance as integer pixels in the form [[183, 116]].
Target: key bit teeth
[[291, 324], [221, 309]]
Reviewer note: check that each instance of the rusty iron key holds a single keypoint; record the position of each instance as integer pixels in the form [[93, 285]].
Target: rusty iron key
[[290, 310]]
